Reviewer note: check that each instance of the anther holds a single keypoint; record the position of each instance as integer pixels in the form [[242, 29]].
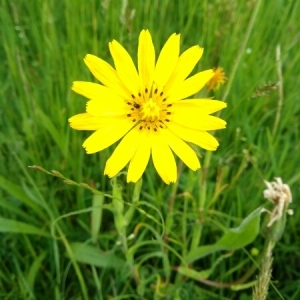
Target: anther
[[164, 99], [161, 126], [167, 120], [132, 109], [140, 95], [148, 127], [168, 113], [169, 105], [155, 129], [161, 93], [129, 103], [133, 120], [155, 91], [141, 127], [146, 90], [128, 115], [133, 97], [136, 105]]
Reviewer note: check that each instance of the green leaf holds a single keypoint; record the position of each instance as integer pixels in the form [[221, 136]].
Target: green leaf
[[118, 203], [17, 192], [13, 226], [191, 273], [96, 216], [57, 136], [233, 239], [93, 256], [9, 205], [204, 274], [135, 198], [243, 286], [34, 269]]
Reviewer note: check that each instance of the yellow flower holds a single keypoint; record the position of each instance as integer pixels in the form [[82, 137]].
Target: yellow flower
[[145, 107], [218, 79]]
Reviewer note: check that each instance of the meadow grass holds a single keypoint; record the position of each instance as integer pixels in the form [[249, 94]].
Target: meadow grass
[[62, 241]]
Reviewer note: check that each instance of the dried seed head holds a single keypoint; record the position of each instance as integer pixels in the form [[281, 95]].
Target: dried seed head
[[280, 195]]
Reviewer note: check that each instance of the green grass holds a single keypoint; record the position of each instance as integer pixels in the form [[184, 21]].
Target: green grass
[[67, 249]]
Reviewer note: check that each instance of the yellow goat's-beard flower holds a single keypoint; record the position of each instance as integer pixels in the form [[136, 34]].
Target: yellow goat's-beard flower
[[146, 110]]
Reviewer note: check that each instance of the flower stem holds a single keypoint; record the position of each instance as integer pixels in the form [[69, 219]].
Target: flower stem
[[261, 287]]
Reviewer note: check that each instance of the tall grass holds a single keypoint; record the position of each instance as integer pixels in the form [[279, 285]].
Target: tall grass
[[42, 48]]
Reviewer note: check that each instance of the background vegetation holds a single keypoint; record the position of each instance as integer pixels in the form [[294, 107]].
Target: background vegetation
[[43, 44]]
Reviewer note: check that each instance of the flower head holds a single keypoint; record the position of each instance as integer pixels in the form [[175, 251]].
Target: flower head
[[146, 108], [280, 195], [217, 79]]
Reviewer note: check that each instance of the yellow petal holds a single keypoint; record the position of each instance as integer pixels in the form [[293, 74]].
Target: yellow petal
[[111, 107], [107, 135], [182, 150], [185, 65], [125, 67], [163, 159], [146, 59], [198, 106], [191, 86], [167, 60], [92, 90], [140, 159], [199, 122], [106, 74], [123, 153], [200, 138], [86, 122]]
